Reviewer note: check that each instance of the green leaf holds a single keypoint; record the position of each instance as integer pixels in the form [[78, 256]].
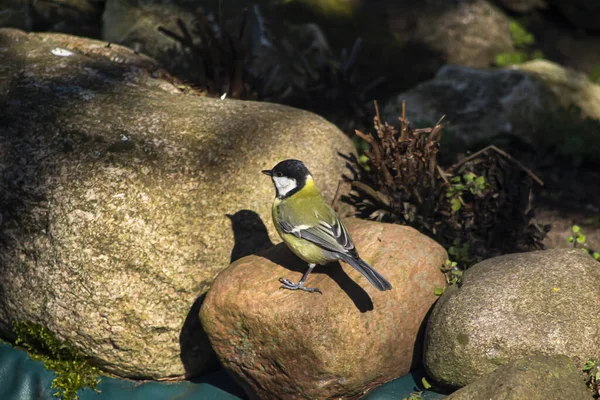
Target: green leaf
[[456, 179], [576, 228], [425, 384], [469, 177], [511, 58], [456, 204], [519, 34], [571, 239], [588, 365], [581, 239], [596, 255], [438, 291]]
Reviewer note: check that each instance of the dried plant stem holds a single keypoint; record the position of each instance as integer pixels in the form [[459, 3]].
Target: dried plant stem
[[502, 153]]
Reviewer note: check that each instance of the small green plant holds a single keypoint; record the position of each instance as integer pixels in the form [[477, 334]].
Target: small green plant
[[592, 370], [460, 251], [467, 182], [414, 396], [362, 146], [520, 36], [72, 371], [579, 239], [453, 275]]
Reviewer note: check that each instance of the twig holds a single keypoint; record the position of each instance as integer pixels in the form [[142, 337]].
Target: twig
[[443, 174], [366, 138], [383, 199], [403, 124], [502, 153], [437, 130], [337, 191]]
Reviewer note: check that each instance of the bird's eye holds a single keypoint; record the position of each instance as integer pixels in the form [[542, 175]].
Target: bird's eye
[[278, 174]]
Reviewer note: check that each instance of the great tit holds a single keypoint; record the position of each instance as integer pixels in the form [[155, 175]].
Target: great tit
[[310, 227]]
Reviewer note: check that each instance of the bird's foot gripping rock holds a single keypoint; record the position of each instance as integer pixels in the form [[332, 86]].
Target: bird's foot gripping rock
[[287, 284]]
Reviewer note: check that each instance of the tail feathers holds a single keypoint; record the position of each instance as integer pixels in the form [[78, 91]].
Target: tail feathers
[[368, 272]]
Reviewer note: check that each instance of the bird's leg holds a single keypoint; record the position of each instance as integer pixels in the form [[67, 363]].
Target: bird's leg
[[287, 284]]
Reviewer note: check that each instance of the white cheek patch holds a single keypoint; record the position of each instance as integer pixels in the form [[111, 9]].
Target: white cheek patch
[[284, 185]]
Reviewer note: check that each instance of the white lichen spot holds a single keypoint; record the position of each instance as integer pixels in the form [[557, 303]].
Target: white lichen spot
[[57, 51], [224, 96], [125, 138]]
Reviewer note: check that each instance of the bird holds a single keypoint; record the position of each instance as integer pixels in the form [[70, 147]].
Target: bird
[[310, 227]]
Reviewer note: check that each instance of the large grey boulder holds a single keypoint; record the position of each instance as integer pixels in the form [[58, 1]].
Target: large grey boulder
[[115, 191], [531, 378], [514, 306], [529, 101]]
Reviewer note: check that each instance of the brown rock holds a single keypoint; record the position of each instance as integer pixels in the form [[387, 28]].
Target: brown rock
[[291, 345]]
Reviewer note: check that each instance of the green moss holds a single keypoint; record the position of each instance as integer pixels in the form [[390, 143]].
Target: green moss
[[521, 37], [524, 43], [72, 371], [463, 339], [511, 58]]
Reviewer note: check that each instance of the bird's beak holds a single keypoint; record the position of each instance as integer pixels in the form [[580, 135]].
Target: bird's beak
[[267, 172]]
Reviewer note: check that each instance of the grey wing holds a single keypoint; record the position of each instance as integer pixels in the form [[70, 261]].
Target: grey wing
[[329, 236]]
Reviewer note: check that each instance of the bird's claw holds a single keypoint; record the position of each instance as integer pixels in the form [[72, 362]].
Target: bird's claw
[[287, 284]]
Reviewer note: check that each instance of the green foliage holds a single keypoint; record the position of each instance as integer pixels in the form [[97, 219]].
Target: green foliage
[[414, 396], [453, 275], [520, 36], [579, 239], [461, 183], [524, 43], [592, 371], [511, 58], [362, 146], [72, 371], [460, 251], [425, 384]]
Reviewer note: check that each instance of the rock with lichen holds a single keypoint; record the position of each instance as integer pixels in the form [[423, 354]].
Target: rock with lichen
[[514, 306], [531, 378], [281, 344], [115, 191]]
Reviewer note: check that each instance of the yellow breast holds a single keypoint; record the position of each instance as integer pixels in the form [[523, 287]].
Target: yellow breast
[[304, 249]]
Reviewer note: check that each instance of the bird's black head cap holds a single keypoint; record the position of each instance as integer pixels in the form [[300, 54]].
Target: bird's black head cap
[[294, 169]]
